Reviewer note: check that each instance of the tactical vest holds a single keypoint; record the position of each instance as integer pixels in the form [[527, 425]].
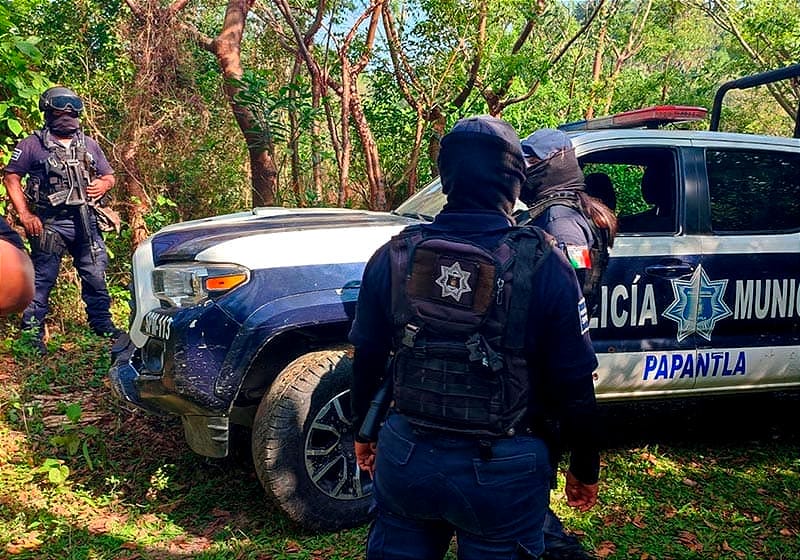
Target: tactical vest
[[598, 252], [67, 170], [459, 313]]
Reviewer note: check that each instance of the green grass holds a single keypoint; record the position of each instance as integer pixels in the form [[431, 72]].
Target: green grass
[[84, 477]]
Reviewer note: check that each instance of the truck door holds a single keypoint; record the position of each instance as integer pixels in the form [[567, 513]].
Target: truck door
[[642, 328], [753, 250]]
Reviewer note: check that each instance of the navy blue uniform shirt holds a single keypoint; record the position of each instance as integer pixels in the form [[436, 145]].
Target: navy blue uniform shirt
[[31, 151], [557, 335], [567, 225]]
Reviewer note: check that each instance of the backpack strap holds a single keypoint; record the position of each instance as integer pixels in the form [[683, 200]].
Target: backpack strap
[[563, 198], [400, 255], [531, 249]]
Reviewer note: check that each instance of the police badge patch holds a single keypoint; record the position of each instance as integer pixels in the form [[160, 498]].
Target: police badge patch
[[454, 281]]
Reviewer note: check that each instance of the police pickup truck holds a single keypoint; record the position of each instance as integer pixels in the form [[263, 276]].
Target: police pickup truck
[[242, 320]]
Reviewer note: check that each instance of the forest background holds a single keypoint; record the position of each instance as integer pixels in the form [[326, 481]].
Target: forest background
[[211, 106]]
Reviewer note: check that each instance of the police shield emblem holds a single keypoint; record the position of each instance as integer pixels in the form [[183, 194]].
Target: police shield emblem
[[454, 281]]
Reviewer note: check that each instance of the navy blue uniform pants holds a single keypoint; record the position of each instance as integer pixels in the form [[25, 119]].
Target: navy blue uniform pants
[[91, 272], [428, 486]]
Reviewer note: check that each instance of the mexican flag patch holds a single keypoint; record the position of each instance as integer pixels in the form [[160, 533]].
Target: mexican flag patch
[[578, 256]]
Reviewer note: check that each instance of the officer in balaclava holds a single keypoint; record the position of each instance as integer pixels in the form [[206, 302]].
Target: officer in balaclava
[[584, 228], [555, 192], [66, 172], [484, 337]]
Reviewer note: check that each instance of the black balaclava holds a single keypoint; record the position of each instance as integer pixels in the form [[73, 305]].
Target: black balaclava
[[481, 165], [552, 167], [63, 125]]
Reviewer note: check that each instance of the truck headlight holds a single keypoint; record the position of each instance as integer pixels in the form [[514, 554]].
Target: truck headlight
[[186, 285]]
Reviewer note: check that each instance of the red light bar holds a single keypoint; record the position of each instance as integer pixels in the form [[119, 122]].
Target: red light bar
[[651, 117]]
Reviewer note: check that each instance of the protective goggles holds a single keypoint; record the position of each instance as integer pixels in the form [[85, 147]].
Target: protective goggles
[[64, 103]]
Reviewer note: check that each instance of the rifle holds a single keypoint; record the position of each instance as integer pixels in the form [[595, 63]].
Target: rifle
[[377, 411], [77, 177]]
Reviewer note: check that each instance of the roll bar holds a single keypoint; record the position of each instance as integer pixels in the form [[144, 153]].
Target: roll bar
[[753, 80]]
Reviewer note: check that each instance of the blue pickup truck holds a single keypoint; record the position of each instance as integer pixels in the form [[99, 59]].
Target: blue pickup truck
[[242, 320]]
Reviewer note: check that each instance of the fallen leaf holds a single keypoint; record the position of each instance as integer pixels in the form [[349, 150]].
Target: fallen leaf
[[689, 482], [577, 532], [690, 541], [292, 546], [649, 457], [605, 549], [30, 541]]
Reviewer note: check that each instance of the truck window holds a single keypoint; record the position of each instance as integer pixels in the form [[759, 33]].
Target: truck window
[[754, 191], [645, 186]]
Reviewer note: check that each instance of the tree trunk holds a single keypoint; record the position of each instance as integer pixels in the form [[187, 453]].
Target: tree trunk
[[227, 48], [439, 124], [137, 203], [597, 68], [375, 178]]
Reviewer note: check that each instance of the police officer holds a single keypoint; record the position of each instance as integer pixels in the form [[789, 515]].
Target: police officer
[[555, 193], [486, 335], [16, 271], [584, 228], [66, 171]]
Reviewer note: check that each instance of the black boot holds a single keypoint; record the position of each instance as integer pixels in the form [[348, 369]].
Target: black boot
[[566, 548], [558, 545]]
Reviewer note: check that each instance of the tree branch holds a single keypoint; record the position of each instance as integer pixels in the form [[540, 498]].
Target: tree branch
[[472, 75], [176, 7], [201, 39], [135, 8], [555, 59]]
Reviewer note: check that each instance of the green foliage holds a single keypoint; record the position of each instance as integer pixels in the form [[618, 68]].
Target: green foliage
[[627, 180], [56, 471], [20, 82], [161, 214], [74, 437], [270, 108]]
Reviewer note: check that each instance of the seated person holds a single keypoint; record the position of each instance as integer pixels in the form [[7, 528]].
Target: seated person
[[658, 187], [600, 187]]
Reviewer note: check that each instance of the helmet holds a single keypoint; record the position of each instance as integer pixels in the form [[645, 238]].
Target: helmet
[[60, 99]]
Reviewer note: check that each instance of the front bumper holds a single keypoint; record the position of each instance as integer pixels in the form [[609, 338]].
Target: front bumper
[[145, 390], [207, 433]]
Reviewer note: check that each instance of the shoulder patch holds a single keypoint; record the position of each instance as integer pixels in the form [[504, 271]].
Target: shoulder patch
[[583, 316], [16, 154], [578, 256]]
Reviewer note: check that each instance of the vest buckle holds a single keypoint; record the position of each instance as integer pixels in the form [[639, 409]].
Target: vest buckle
[[410, 335]]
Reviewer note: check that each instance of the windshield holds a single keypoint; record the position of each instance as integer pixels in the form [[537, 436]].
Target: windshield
[[425, 204], [428, 202]]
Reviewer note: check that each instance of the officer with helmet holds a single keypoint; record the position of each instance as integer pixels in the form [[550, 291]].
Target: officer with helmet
[[485, 333], [67, 173]]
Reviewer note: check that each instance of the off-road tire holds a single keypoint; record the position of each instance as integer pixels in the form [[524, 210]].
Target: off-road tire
[[303, 444]]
